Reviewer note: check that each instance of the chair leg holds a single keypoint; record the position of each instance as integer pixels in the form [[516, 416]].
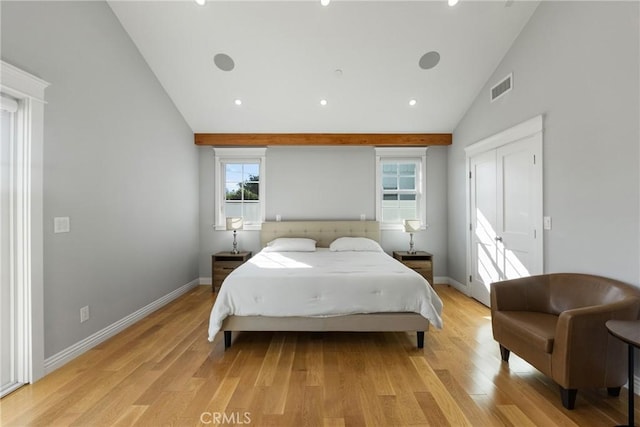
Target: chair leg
[[420, 338], [504, 353], [227, 339], [568, 396], [613, 391]]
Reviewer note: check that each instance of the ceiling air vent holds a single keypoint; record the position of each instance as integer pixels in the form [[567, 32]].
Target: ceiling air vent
[[500, 89]]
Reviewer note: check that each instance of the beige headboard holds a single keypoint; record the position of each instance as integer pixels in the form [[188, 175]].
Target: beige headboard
[[323, 232]]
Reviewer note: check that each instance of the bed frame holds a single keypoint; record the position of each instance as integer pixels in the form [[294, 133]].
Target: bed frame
[[325, 232]]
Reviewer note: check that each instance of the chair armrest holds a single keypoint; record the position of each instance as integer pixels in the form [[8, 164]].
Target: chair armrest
[[524, 294], [582, 345]]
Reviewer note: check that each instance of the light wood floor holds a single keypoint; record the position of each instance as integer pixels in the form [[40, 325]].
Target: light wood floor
[[163, 372]]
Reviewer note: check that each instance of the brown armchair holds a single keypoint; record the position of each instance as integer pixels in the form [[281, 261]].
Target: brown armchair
[[556, 323]]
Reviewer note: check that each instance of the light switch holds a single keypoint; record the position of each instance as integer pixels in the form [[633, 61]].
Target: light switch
[[61, 224], [547, 223]]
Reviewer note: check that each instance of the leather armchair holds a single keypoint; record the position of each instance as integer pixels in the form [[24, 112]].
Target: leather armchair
[[556, 322]]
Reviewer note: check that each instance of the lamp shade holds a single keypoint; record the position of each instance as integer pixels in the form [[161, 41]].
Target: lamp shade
[[411, 225], [234, 223]]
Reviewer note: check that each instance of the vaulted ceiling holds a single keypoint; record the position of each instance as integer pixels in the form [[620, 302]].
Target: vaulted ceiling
[[365, 58]]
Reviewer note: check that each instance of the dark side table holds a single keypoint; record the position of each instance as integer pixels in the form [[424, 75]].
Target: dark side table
[[629, 332]]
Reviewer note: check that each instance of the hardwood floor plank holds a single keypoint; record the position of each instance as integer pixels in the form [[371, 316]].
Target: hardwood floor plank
[[445, 401], [515, 415], [163, 371]]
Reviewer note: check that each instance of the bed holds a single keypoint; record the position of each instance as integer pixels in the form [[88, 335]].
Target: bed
[[324, 290]]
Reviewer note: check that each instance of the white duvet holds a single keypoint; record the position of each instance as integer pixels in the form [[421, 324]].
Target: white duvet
[[323, 283]]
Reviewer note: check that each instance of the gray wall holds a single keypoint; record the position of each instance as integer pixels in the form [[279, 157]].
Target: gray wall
[[119, 160], [577, 64], [316, 183]]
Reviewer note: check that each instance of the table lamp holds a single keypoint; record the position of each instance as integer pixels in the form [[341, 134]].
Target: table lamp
[[235, 224], [411, 226]]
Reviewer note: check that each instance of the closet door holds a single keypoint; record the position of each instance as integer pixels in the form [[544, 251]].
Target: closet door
[[516, 231], [484, 251], [505, 211]]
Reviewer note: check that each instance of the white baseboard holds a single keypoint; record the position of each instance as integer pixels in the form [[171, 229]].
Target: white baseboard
[[59, 359], [459, 286]]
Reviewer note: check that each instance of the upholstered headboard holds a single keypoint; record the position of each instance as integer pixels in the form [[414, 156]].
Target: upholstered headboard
[[323, 232]]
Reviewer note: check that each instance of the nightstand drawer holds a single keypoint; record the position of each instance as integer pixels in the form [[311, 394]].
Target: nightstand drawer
[[223, 263], [421, 262], [225, 266], [418, 265]]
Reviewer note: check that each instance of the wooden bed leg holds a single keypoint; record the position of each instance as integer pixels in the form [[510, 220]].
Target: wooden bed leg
[[420, 338], [227, 339]]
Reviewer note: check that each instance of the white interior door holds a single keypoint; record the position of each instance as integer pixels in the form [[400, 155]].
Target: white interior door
[[516, 232], [8, 324], [505, 210], [484, 251]]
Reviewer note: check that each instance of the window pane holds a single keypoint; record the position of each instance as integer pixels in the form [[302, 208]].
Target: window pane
[[233, 209], [390, 168], [390, 215], [407, 196], [251, 212], [251, 191], [407, 183], [251, 172], [233, 191], [407, 169], [233, 172], [389, 197], [389, 183]]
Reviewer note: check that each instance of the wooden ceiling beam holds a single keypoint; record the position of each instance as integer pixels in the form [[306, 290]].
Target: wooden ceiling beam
[[314, 139]]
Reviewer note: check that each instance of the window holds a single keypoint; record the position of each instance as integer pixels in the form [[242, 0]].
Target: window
[[240, 186], [400, 175]]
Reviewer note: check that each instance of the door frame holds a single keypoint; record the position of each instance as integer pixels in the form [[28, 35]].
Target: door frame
[[529, 128], [27, 210]]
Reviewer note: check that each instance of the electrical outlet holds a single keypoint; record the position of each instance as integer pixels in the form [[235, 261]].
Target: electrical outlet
[[278, 217], [84, 314], [363, 217], [547, 223]]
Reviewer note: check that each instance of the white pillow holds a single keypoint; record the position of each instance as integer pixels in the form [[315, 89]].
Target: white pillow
[[361, 244], [291, 244]]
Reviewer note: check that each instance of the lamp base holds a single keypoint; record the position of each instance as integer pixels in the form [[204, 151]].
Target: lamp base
[[411, 249], [235, 250]]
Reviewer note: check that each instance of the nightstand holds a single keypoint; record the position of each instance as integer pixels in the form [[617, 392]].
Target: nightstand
[[421, 261], [223, 263]]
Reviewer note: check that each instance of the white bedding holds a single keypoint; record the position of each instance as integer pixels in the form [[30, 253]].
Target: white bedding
[[323, 283]]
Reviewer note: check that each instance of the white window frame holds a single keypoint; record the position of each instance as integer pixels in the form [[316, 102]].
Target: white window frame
[[237, 155], [402, 154]]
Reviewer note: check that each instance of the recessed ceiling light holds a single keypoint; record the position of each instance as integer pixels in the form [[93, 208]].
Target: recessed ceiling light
[[453, 2], [323, 102], [238, 102], [412, 102], [201, 2], [325, 2]]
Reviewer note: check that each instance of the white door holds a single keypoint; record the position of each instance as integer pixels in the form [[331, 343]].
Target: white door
[[484, 251], [517, 231], [505, 189], [8, 324]]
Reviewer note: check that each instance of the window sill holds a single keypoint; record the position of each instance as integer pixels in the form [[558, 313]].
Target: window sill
[[253, 227], [397, 227]]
